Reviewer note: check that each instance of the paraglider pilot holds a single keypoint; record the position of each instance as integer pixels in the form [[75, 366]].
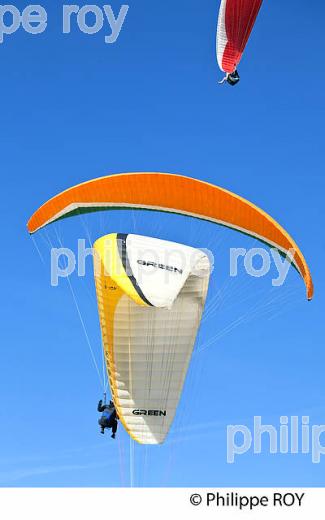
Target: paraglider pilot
[[109, 417], [231, 78]]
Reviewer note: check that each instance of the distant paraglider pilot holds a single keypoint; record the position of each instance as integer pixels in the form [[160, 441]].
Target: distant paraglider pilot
[[231, 78], [109, 417]]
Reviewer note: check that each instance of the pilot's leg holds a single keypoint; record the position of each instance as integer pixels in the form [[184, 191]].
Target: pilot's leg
[[102, 426], [114, 427]]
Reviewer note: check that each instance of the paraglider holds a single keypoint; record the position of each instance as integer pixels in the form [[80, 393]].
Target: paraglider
[[150, 292], [235, 23], [109, 417], [174, 194]]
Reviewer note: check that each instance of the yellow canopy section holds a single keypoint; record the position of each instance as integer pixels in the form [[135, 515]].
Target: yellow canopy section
[[175, 194]]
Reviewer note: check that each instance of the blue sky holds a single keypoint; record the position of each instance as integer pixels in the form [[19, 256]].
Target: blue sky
[[74, 108]]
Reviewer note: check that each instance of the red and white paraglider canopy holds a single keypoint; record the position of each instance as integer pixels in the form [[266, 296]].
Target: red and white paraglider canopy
[[236, 21]]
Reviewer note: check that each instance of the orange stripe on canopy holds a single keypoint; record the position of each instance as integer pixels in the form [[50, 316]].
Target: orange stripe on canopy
[[177, 194]]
